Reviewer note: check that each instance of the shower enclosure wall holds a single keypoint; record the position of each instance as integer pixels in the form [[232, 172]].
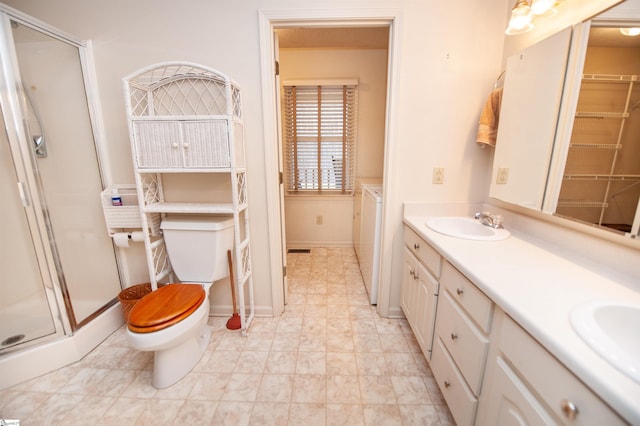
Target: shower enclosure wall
[[59, 265]]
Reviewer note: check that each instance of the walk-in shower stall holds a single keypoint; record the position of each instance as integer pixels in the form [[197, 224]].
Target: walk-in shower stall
[[59, 269]]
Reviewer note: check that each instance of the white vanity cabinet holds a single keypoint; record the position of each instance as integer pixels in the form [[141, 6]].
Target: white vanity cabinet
[[525, 384], [419, 291], [461, 343]]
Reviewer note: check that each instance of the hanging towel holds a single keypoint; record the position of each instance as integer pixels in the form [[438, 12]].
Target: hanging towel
[[489, 117]]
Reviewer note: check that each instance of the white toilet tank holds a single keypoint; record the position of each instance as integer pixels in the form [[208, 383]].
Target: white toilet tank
[[197, 246]]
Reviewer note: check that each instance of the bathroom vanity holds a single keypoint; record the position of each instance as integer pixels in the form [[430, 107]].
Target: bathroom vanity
[[502, 347]]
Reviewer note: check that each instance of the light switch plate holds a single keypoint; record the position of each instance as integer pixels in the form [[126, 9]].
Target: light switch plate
[[438, 175], [503, 175]]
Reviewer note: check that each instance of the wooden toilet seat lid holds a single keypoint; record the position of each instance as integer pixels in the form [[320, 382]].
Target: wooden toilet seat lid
[[164, 307]]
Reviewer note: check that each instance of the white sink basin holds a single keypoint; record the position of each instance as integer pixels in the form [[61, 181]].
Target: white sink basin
[[612, 329], [466, 228]]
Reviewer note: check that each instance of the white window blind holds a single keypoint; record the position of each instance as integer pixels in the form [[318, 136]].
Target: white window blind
[[319, 132]]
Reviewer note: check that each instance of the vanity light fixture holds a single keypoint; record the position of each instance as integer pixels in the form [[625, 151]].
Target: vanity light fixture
[[544, 7], [520, 21], [630, 31], [525, 11]]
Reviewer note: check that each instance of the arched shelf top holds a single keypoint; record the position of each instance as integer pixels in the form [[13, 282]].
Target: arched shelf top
[[174, 89]]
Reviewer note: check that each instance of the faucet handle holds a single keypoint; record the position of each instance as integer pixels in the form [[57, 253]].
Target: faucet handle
[[497, 221]]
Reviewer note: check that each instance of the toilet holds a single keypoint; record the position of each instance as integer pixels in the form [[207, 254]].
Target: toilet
[[172, 321]]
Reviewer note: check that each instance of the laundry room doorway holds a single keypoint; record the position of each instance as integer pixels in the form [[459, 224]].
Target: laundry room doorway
[[293, 223]]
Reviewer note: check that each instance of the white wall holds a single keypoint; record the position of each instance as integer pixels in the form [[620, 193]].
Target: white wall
[[450, 55], [370, 68]]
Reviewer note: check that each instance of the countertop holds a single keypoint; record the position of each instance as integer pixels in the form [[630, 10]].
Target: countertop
[[538, 288]]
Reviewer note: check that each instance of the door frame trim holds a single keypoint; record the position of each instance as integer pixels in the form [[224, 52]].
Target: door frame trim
[[269, 20]]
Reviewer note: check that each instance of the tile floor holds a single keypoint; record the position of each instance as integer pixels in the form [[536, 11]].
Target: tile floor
[[329, 360]]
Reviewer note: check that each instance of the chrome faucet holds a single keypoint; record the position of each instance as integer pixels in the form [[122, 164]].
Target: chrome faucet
[[492, 220]]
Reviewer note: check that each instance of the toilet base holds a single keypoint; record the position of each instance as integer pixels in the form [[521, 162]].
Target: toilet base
[[171, 365]]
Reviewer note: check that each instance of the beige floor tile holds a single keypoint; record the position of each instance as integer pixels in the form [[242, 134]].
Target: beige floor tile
[[328, 360], [344, 414], [382, 414], [232, 413], [341, 363], [275, 388], [281, 362], [308, 388], [311, 363], [377, 390], [343, 390], [251, 362], [307, 414], [419, 415], [209, 386], [195, 413], [270, 414], [242, 387], [159, 412]]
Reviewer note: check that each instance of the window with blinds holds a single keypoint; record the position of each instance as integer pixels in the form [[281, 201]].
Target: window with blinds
[[319, 133]]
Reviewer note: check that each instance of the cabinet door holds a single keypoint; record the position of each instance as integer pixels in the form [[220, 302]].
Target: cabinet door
[[425, 314], [205, 143], [509, 402], [408, 288], [158, 144]]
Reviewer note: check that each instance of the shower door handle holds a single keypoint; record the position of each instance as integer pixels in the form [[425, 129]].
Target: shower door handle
[[40, 146], [22, 190]]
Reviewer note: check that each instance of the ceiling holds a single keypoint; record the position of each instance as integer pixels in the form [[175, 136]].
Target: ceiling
[[334, 38], [611, 37]]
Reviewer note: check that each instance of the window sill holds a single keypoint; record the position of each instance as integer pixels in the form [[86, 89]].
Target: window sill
[[319, 197]]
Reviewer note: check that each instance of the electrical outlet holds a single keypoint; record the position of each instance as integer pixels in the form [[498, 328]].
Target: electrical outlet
[[503, 175], [438, 175], [319, 220]]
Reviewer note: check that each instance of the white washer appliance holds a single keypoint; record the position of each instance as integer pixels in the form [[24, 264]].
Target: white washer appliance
[[371, 217]]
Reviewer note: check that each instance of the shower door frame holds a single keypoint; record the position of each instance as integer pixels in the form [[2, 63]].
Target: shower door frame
[[18, 136]]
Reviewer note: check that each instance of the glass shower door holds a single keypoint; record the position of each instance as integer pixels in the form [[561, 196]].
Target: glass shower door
[[52, 173], [24, 306]]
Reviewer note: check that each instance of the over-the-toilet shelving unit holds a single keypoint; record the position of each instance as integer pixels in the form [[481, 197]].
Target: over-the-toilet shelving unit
[[596, 144], [185, 118]]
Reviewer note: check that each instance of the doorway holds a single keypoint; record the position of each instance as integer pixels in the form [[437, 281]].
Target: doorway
[[269, 24]]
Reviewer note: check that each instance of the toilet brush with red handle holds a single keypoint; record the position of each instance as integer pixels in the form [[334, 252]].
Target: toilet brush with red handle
[[234, 322]]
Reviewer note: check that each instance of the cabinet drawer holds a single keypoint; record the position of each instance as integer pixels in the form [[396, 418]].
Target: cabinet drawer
[[473, 301], [551, 381], [465, 342], [423, 251], [461, 401]]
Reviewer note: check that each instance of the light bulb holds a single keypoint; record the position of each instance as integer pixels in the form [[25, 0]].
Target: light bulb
[[630, 31], [520, 21], [540, 7]]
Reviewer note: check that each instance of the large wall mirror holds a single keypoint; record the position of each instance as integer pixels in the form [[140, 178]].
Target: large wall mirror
[[580, 159], [600, 182]]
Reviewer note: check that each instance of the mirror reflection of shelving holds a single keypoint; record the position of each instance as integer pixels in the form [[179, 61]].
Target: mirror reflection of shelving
[[601, 182]]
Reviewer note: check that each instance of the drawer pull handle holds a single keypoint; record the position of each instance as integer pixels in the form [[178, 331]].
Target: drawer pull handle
[[459, 291], [447, 384], [454, 336], [416, 246], [569, 409], [174, 145], [411, 272]]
